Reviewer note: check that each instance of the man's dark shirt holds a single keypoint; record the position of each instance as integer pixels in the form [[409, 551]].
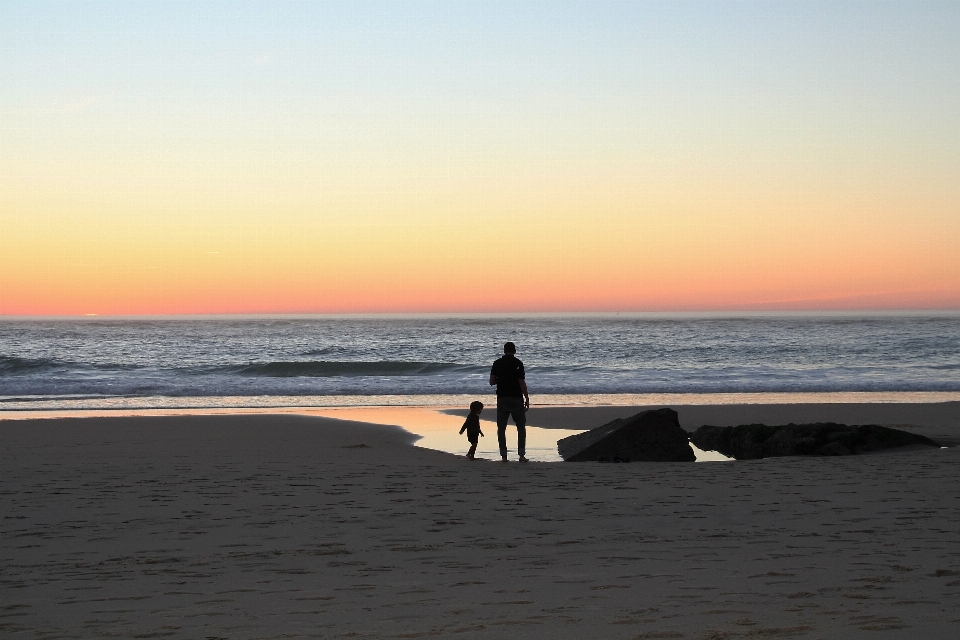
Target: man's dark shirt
[[509, 372]]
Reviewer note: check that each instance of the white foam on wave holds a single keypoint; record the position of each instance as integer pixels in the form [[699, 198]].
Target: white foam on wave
[[67, 403]]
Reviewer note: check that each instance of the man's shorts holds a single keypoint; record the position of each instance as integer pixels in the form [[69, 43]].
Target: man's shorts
[[510, 406]]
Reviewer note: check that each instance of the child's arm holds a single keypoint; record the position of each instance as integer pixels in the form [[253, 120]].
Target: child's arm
[[481, 435], [464, 427]]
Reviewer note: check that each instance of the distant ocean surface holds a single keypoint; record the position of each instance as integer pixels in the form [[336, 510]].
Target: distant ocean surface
[[293, 361]]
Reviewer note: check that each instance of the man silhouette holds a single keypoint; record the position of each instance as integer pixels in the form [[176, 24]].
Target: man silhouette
[[512, 399]]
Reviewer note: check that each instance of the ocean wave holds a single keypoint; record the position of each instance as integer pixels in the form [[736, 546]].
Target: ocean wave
[[12, 365], [15, 390], [326, 369]]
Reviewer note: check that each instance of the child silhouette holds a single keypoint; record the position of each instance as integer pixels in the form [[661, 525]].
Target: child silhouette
[[472, 426]]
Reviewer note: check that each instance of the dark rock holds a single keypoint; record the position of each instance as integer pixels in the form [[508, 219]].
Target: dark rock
[[649, 436], [751, 441]]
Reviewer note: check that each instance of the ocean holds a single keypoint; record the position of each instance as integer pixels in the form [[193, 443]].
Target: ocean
[[335, 361]]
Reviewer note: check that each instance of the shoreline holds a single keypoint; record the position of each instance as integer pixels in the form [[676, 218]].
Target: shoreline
[[939, 421]]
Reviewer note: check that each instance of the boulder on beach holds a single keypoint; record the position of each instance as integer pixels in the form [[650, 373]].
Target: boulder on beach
[[752, 441], [653, 436]]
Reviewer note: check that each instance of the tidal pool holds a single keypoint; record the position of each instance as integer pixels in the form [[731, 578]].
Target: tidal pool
[[440, 431]]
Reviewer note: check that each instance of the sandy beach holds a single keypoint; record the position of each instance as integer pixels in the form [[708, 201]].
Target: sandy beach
[[261, 526]]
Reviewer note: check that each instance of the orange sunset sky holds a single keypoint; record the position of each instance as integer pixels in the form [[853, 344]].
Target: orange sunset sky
[[478, 156]]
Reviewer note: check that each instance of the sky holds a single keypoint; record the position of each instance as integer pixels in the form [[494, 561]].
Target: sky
[[325, 157]]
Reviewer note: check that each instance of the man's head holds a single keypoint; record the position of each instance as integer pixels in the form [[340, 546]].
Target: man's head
[[509, 347]]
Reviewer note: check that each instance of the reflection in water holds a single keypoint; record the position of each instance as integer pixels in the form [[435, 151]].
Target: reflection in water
[[708, 456], [440, 431]]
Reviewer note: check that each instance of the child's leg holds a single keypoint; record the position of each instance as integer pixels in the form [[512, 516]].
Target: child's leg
[[473, 449]]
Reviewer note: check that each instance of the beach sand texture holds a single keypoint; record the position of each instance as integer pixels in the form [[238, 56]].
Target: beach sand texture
[[288, 526]]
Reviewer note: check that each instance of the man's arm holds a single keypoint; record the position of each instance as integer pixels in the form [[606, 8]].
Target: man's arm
[[526, 396], [493, 379]]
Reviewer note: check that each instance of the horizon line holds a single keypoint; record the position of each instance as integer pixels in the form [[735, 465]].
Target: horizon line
[[724, 313]]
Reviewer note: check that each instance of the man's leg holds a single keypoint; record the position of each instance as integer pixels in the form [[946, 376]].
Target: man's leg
[[520, 417], [503, 414]]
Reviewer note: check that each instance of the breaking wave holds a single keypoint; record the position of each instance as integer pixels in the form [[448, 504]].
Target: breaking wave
[[324, 369], [11, 365]]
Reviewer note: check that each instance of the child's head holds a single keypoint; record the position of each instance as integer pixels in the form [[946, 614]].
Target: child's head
[[476, 406]]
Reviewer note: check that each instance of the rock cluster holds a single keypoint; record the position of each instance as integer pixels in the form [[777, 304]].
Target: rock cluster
[[751, 441], [653, 435]]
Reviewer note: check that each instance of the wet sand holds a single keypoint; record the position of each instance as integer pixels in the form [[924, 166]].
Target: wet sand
[[257, 526]]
